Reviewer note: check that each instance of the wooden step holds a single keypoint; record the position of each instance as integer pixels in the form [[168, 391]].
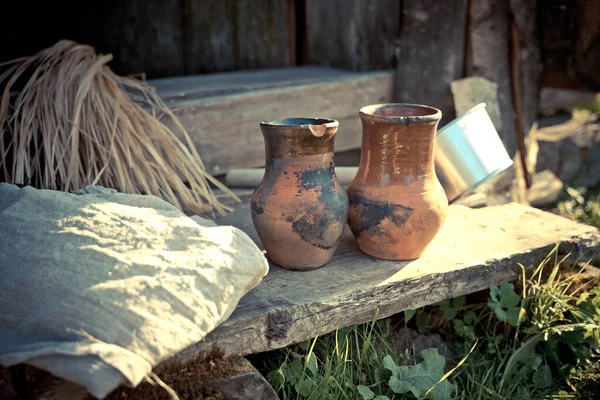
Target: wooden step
[[476, 248], [222, 112]]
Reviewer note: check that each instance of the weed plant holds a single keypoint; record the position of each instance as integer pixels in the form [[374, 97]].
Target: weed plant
[[539, 341]]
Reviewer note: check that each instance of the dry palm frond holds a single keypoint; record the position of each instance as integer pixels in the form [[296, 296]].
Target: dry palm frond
[[75, 123]]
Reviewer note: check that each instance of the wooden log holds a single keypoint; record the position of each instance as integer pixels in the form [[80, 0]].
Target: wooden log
[[488, 55], [352, 34], [226, 128], [431, 53], [474, 249]]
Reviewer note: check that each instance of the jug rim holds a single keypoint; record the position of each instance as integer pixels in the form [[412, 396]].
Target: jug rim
[[300, 122], [433, 115]]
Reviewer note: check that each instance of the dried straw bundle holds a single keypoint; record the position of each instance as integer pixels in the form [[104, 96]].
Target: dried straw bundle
[[76, 123]]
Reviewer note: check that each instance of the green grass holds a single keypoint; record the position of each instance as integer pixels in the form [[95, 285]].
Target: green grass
[[582, 206], [539, 341]]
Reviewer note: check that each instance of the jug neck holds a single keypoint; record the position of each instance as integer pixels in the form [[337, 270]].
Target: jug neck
[[298, 137], [398, 149]]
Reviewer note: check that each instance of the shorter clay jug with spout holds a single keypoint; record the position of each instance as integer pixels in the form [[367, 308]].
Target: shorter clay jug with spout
[[299, 209], [397, 205]]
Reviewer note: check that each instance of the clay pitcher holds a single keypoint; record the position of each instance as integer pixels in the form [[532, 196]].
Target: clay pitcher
[[299, 209], [397, 205]]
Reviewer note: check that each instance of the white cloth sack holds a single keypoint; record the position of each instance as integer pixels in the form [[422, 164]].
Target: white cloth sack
[[97, 287]]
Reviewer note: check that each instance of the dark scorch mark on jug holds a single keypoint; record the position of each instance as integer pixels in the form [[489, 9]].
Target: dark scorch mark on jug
[[257, 208], [369, 214], [328, 212], [312, 227], [257, 205], [317, 178]]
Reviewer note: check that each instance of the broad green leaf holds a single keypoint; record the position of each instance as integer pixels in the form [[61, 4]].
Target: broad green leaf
[[470, 317], [311, 364], [404, 381], [494, 293], [408, 314], [421, 321], [432, 360], [506, 288], [459, 302], [500, 313], [510, 300], [513, 315], [542, 378], [381, 398], [306, 387], [418, 379], [365, 392], [498, 338], [388, 363], [449, 312], [458, 324], [292, 371], [276, 379], [533, 361]]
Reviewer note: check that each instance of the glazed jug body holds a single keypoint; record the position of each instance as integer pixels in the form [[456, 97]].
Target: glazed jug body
[[397, 205], [299, 209]]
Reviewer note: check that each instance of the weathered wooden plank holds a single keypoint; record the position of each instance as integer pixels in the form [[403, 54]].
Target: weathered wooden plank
[[147, 36], [225, 129], [210, 35], [174, 89], [475, 248], [263, 33], [352, 34], [488, 55], [431, 53], [529, 56]]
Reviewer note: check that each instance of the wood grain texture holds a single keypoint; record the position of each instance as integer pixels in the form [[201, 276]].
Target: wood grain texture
[[210, 36], [146, 36], [431, 53], [524, 14], [263, 31], [488, 55], [175, 89], [475, 249], [225, 128], [352, 34]]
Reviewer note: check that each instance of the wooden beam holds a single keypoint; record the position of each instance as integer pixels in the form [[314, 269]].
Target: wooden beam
[[431, 51], [352, 34], [488, 55], [475, 249], [223, 112]]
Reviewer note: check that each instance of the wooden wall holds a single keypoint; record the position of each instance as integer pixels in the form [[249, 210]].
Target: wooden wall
[[182, 37]]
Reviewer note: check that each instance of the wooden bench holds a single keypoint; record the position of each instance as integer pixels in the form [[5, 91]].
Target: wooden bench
[[475, 249]]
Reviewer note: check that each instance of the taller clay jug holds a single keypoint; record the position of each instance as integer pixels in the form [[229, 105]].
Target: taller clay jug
[[300, 208], [397, 205]]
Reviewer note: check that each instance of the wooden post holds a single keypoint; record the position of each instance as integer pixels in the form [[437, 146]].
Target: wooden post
[[489, 57], [431, 53]]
